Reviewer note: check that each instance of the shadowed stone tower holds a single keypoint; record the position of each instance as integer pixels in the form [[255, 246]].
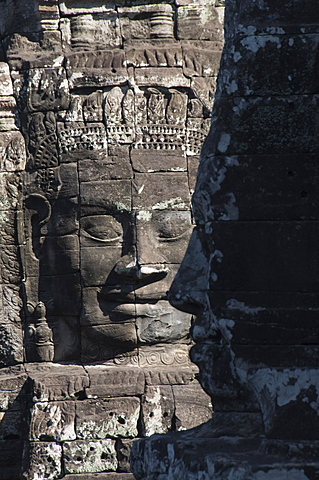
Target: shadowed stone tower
[[104, 106], [250, 274]]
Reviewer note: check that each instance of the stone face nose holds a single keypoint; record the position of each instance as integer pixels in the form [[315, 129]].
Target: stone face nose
[[147, 247], [129, 266]]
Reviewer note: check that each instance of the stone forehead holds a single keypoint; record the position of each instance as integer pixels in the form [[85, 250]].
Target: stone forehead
[[148, 191]]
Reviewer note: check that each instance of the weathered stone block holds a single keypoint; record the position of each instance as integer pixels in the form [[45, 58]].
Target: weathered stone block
[[11, 458], [12, 387], [12, 425], [161, 191], [244, 423], [192, 167], [37, 94], [260, 125], [247, 252], [104, 168], [70, 180], [109, 336], [192, 405], [123, 449], [205, 90], [257, 319], [100, 476], [12, 150], [105, 197], [11, 344], [107, 305], [156, 77], [149, 21], [44, 461], [284, 394], [113, 417], [158, 161], [9, 187], [97, 69], [157, 409], [8, 235], [64, 217], [243, 195], [60, 256], [280, 51], [101, 239], [10, 268], [89, 456], [66, 338], [5, 80], [52, 421], [198, 21], [170, 232], [71, 7], [155, 55], [279, 15], [8, 124], [110, 350], [164, 355], [202, 62], [100, 30], [305, 355]]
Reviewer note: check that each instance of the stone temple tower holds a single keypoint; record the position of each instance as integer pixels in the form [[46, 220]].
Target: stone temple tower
[[250, 274]]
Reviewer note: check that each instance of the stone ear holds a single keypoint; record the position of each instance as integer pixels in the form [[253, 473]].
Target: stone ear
[[38, 205], [38, 213]]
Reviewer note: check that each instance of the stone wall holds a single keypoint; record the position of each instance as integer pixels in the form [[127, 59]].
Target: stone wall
[[250, 273], [103, 110]]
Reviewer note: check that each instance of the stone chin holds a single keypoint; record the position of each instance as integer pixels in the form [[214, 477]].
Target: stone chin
[[145, 323]]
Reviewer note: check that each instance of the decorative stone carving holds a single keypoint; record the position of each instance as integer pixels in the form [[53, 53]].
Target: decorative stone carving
[[96, 136], [39, 343], [47, 89]]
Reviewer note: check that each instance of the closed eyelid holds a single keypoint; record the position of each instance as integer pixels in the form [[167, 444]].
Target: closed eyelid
[[173, 227], [166, 238], [107, 240], [103, 229]]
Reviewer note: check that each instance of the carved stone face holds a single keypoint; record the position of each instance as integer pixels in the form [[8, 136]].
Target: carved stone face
[[109, 255], [113, 128], [132, 235]]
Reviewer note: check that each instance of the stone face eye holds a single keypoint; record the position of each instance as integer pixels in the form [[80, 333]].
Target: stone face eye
[[102, 227], [172, 225]]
